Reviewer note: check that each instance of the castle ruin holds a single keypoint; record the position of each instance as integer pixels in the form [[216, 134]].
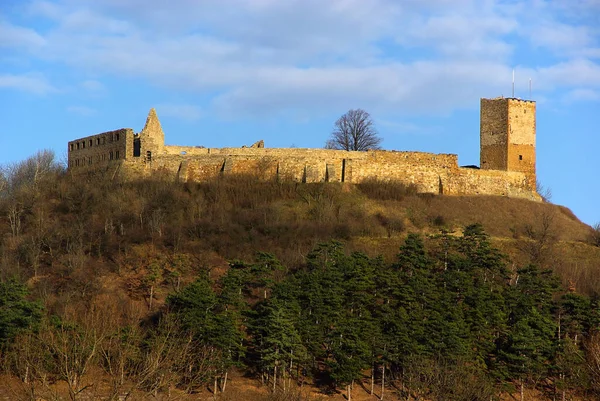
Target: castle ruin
[[507, 139]]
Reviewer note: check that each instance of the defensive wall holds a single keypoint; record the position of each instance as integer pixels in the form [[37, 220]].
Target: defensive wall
[[139, 155]]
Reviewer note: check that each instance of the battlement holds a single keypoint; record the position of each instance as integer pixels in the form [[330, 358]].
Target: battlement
[[507, 158]]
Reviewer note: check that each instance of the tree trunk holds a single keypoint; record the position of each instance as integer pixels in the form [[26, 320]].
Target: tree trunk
[[215, 388], [291, 367], [224, 382], [349, 390], [522, 390], [372, 378], [274, 376], [382, 381], [151, 296]]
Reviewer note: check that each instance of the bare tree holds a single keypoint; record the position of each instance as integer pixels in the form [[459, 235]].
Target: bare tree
[[354, 130], [595, 235], [29, 172], [543, 191]]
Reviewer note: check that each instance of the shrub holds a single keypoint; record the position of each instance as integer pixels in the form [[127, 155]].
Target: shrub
[[386, 190]]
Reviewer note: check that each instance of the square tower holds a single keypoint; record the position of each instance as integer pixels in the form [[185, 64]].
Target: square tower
[[507, 134]]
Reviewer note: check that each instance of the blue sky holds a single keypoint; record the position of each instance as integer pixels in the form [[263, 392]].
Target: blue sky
[[228, 73]]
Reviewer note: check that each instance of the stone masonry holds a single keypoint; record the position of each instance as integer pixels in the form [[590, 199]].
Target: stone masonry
[[507, 158], [508, 135]]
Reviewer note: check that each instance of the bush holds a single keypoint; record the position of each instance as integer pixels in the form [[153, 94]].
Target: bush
[[386, 190]]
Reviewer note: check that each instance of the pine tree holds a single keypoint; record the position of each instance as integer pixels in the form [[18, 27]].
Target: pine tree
[[16, 312]]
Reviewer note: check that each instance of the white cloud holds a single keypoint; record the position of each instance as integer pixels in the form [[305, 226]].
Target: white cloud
[[187, 112], [28, 83], [19, 37], [578, 73], [268, 56], [81, 110], [582, 94], [93, 87]]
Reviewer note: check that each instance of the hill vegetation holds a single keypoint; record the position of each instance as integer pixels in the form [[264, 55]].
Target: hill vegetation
[[111, 288]]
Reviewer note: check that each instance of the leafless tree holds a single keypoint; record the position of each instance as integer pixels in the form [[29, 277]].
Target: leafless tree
[[3, 180], [544, 191], [354, 130], [592, 347], [541, 236], [595, 235]]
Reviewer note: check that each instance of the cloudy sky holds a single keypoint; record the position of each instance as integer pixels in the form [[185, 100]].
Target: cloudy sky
[[230, 72]]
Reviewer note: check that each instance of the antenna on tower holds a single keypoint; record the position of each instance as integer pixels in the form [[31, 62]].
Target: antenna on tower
[[513, 84], [529, 88]]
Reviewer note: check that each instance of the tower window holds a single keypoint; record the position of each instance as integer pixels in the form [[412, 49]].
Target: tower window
[[520, 157]]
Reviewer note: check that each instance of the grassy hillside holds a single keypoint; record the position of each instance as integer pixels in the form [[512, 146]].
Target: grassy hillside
[[103, 252]]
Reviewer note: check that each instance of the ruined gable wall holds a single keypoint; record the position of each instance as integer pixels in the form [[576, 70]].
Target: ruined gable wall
[[152, 137], [101, 149]]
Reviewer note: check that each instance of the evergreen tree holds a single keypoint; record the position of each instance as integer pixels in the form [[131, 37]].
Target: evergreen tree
[[212, 324], [528, 348], [276, 340], [16, 312]]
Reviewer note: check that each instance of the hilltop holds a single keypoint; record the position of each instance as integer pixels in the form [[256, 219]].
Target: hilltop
[[96, 247]]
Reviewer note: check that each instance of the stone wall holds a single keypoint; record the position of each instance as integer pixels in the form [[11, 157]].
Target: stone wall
[[493, 134], [142, 154], [431, 173], [507, 135], [101, 149], [468, 181], [521, 136]]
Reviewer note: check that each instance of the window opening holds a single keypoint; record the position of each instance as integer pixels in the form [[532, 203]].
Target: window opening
[[520, 157], [148, 155], [110, 155], [117, 154], [136, 147]]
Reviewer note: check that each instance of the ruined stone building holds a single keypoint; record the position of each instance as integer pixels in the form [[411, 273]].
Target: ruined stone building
[[507, 138]]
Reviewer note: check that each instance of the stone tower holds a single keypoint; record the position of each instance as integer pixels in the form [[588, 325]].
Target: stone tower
[[507, 134], [151, 139]]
